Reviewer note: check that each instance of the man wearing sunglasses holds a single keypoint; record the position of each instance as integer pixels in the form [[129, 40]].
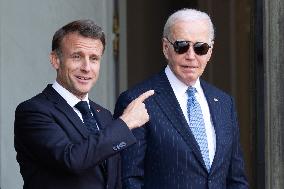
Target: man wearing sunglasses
[[192, 138]]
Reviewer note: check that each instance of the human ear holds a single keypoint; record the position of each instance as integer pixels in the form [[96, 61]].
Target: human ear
[[165, 47], [209, 53], [54, 60]]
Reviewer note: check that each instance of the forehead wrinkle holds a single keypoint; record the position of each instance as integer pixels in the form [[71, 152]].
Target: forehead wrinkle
[[85, 45], [74, 44], [189, 30]]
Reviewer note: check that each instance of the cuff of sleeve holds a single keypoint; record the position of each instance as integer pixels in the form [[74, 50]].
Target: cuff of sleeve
[[124, 134]]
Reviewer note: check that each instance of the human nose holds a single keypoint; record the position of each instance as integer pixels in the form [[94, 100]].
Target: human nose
[[86, 65], [190, 52]]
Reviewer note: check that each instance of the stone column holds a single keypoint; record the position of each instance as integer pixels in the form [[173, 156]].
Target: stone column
[[274, 92]]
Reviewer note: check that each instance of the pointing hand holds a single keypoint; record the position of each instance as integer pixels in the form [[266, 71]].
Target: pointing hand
[[135, 114]]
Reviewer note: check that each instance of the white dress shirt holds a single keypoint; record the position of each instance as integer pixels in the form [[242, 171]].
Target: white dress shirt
[[179, 89], [70, 98]]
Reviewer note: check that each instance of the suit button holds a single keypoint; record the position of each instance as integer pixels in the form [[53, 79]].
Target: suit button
[[119, 146], [114, 148]]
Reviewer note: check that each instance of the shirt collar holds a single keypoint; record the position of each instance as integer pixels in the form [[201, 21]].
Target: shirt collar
[[70, 98]]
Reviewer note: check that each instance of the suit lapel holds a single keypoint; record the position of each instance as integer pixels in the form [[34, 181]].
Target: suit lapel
[[167, 101], [64, 107], [98, 114], [216, 107]]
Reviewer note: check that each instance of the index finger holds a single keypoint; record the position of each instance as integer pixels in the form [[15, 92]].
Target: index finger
[[145, 95]]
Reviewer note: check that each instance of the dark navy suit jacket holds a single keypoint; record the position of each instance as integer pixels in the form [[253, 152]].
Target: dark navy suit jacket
[[167, 155], [56, 151]]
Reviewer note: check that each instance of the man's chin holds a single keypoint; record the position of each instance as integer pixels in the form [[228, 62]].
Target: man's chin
[[82, 92], [190, 80]]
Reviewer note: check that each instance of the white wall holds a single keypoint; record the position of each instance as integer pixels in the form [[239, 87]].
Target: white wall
[[26, 30]]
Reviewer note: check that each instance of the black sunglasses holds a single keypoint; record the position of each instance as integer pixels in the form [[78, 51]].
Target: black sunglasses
[[181, 47]]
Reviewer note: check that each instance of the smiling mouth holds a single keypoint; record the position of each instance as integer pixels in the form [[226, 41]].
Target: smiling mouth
[[83, 78]]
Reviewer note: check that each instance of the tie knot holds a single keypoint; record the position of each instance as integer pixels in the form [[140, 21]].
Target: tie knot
[[191, 91], [83, 107]]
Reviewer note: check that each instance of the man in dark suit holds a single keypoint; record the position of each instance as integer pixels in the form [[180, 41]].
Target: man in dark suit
[[63, 139], [192, 139]]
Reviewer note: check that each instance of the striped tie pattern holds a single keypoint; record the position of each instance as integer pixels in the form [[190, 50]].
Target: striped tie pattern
[[197, 126]]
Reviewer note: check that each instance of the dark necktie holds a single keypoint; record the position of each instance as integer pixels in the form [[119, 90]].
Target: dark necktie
[[197, 126], [88, 119], [92, 125]]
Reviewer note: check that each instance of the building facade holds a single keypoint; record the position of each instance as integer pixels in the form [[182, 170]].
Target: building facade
[[248, 63]]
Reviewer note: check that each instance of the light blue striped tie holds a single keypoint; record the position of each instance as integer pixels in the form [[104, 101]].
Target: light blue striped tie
[[197, 126]]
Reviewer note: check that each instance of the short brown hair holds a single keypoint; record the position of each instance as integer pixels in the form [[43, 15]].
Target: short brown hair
[[86, 28]]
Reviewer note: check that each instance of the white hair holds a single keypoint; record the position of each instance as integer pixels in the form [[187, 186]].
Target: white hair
[[188, 15]]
